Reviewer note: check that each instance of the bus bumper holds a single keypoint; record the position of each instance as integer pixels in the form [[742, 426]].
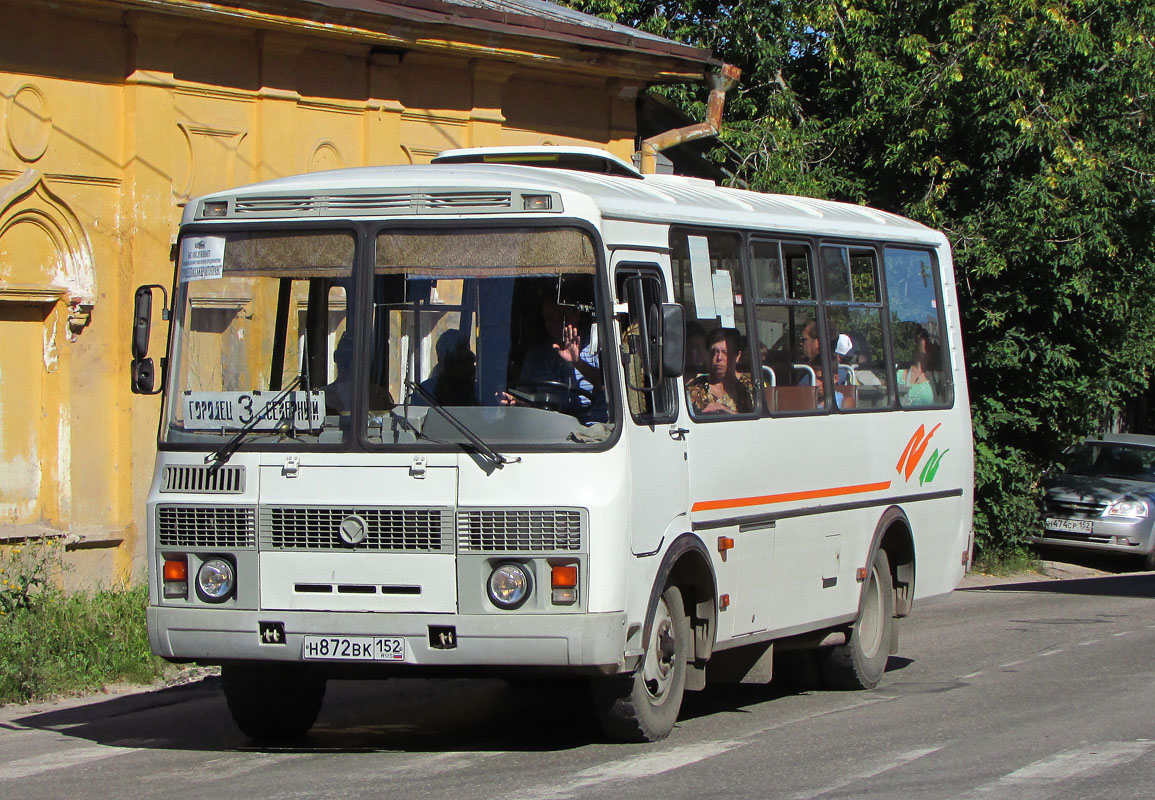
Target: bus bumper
[[490, 640]]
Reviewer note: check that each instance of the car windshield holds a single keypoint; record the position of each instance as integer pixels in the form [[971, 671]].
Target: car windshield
[[1111, 460], [496, 326]]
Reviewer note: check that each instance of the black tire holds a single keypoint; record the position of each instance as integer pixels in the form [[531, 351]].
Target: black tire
[[644, 706], [861, 662], [273, 702], [1149, 561]]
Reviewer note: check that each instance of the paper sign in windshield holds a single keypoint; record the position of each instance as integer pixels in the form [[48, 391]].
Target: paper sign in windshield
[[700, 277], [201, 258], [259, 411], [724, 298]]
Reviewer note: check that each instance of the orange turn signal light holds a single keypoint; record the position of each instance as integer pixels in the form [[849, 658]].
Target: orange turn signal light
[[725, 543], [564, 576], [176, 570]]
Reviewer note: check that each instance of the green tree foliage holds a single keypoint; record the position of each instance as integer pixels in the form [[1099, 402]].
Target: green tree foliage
[[1022, 128]]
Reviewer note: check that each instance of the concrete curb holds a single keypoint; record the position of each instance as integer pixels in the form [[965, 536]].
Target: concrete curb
[[1048, 571]]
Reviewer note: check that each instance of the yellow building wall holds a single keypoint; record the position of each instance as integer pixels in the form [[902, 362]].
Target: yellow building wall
[[110, 122]]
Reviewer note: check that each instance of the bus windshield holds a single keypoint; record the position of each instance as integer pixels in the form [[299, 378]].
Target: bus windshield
[[497, 326]]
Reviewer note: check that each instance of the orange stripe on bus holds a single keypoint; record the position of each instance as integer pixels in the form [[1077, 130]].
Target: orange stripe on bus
[[787, 497]]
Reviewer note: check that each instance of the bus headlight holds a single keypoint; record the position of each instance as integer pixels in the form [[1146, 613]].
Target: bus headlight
[[509, 585], [216, 580]]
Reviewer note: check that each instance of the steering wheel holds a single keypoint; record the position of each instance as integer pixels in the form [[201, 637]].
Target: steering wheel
[[549, 395]]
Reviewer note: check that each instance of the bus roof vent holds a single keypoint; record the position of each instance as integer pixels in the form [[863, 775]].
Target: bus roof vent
[[372, 203], [579, 159]]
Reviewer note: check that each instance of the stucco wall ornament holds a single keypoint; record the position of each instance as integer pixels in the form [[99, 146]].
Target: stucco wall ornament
[[29, 201], [29, 123]]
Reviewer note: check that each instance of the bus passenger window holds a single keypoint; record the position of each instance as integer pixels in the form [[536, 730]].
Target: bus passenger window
[[708, 283], [860, 355], [791, 352], [922, 369], [854, 311]]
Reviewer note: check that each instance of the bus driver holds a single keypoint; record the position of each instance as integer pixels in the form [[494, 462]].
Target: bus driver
[[565, 359]]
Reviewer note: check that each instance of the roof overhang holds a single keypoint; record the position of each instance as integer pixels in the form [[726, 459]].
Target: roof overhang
[[533, 32]]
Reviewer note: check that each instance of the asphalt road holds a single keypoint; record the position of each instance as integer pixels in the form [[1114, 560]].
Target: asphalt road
[[1028, 690]]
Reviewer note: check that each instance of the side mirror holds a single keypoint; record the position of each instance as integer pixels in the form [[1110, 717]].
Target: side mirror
[[143, 376], [143, 369], [141, 322], [673, 340]]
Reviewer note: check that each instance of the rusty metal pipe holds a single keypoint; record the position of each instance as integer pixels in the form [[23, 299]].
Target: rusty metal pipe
[[720, 83]]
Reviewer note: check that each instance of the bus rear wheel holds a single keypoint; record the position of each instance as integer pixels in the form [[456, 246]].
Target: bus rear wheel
[[644, 706], [861, 662], [272, 702]]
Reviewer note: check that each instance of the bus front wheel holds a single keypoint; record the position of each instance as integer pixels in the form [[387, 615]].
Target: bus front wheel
[[272, 702], [644, 706], [861, 662]]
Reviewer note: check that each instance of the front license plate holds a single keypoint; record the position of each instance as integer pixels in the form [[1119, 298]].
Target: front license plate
[[353, 648], [1069, 525]]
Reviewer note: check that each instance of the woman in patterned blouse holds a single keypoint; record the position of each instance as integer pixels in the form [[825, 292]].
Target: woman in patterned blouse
[[721, 390]]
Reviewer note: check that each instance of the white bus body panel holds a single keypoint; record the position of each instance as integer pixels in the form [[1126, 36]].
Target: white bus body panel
[[794, 562]]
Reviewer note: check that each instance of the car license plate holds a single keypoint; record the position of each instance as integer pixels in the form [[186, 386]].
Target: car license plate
[[353, 648], [1070, 525]]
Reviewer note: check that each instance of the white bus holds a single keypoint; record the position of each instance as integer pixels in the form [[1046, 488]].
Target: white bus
[[548, 418]]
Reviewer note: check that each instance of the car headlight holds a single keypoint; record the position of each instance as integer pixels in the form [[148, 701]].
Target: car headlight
[[1135, 509], [509, 585], [216, 580]]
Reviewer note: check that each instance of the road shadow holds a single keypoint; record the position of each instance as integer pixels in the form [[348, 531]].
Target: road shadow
[[396, 715], [1115, 563], [735, 698], [796, 672], [1139, 585]]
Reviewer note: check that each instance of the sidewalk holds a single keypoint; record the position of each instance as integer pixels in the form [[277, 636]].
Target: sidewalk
[[1049, 571]]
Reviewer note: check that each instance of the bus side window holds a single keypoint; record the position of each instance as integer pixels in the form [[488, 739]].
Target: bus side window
[[708, 283], [854, 309], [922, 365], [790, 348]]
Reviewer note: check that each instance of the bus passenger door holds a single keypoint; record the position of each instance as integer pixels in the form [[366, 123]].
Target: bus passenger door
[[658, 471]]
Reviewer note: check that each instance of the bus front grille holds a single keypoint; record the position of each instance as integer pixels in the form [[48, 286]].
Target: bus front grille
[[528, 530], [206, 526], [421, 530]]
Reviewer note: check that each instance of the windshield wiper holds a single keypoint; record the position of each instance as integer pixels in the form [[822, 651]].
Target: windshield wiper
[[221, 455], [492, 456]]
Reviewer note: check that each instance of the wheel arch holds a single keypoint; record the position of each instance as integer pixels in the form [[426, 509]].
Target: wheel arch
[[687, 565], [893, 535]]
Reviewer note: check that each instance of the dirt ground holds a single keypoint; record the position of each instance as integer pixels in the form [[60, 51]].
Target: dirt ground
[[1048, 571]]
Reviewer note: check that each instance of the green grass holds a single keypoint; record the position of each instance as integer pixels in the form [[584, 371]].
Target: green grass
[[1006, 562], [78, 642]]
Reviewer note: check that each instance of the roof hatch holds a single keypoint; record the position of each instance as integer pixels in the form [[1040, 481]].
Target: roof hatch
[[580, 159]]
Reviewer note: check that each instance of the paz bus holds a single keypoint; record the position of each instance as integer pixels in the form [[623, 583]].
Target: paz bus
[[533, 413]]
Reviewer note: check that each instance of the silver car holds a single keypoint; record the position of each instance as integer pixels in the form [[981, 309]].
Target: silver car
[[1101, 496]]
